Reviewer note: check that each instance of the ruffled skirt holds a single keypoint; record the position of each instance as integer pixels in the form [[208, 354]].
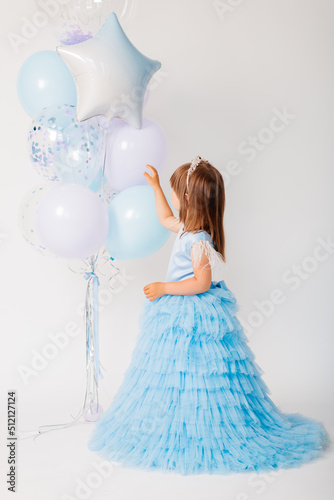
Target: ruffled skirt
[[193, 400]]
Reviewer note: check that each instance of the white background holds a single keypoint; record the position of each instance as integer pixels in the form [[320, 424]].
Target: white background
[[221, 79]]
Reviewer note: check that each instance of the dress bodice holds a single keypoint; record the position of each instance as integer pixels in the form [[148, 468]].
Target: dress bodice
[[180, 265]]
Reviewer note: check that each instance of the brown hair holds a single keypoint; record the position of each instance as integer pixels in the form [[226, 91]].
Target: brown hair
[[206, 193]]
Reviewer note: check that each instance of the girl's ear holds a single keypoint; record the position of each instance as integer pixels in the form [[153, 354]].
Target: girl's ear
[[186, 197]]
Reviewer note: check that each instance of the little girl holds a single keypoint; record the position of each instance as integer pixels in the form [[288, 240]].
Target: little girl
[[192, 399]]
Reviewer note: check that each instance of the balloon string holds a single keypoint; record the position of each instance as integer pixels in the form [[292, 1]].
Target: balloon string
[[43, 429]]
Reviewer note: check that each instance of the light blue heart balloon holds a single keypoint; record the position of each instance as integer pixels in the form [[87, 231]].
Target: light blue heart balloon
[[134, 231], [45, 80]]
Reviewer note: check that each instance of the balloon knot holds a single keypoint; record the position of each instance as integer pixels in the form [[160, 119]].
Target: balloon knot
[[91, 274]]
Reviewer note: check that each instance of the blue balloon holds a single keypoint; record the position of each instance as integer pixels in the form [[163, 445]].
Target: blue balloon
[[134, 228], [45, 80]]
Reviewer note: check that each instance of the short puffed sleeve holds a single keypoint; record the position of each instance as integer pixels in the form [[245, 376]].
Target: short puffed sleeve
[[201, 243]]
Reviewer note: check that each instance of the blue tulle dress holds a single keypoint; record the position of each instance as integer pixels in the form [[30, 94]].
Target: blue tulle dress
[[192, 399]]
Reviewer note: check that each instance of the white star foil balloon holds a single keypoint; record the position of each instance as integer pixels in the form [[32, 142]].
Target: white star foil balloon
[[110, 74]]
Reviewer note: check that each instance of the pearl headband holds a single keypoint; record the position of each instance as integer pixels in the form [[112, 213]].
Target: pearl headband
[[195, 162]]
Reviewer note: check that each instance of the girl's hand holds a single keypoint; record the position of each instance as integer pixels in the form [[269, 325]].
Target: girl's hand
[[153, 179], [154, 290]]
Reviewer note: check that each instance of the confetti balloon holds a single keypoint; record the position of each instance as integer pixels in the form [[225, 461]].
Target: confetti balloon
[[26, 218], [79, 20], [63, 149]]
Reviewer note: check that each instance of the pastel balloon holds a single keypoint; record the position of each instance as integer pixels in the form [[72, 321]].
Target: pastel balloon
[[72, 221], [44, 80], [62, 149], [134, 230], [130, 149], [26, 218], [111, 75], [78, 20]]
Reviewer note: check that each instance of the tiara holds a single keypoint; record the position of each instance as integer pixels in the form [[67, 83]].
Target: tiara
[[195, 162]]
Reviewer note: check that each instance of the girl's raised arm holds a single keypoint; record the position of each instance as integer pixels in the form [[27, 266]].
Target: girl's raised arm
[[164, 212]]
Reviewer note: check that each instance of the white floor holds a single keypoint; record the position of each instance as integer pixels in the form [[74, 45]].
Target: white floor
[[58, 465]]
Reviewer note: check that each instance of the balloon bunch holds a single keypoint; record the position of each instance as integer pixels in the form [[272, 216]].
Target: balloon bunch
[[86, 102], [89, 142]]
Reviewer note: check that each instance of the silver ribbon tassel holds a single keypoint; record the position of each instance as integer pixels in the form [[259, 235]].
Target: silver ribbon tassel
[[92, 409]]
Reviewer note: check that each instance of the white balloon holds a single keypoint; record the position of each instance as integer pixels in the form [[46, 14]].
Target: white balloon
[[72, 221], [129, 150], [110, 74]]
